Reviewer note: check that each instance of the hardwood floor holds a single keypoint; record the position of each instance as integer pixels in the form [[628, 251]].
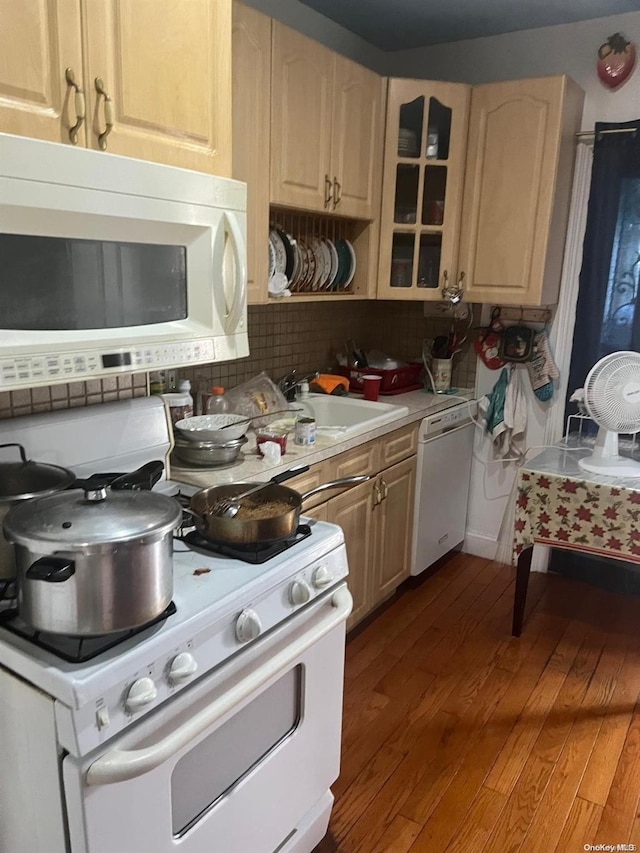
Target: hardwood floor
[[458, 737]]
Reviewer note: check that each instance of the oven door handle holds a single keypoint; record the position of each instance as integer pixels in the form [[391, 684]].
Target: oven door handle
[[121, 764]]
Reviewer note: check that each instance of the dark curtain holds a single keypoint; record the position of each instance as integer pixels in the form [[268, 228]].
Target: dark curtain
[[616, 157]]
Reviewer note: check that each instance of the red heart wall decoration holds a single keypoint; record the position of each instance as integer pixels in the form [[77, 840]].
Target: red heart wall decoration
[[616, 59]]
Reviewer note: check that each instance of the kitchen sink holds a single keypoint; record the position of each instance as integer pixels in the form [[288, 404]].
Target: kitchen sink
[[345, 416]]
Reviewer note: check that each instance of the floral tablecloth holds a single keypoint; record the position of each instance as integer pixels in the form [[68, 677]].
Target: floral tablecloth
[[571, 512]]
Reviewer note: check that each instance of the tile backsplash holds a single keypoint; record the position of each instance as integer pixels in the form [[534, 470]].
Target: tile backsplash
[[282, 336]]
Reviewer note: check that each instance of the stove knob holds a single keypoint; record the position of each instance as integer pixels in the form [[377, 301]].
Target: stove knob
[[248, 626], [299, 592], [322, 577], [182, 667], [142, 692]]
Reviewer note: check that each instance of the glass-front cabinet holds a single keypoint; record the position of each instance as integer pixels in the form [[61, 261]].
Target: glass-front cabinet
[[425, 144]]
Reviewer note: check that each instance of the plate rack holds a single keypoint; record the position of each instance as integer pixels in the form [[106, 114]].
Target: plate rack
[[307, 227]]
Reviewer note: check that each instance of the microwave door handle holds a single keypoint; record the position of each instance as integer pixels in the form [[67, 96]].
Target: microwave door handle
[[121, 764], [240, 265]]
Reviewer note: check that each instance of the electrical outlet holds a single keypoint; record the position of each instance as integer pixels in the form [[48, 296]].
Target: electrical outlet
[[171, 380]]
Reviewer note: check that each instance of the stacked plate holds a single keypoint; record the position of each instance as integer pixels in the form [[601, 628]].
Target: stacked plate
[[407, 143], [309, 265]]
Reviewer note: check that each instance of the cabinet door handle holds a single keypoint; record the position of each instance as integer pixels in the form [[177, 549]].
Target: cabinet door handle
[[70, 77], [377, 497], [108, 114], [385, 489], [337, 192], [328, 186]]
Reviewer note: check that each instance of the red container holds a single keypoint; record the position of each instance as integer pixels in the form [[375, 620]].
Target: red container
[[395, 381]]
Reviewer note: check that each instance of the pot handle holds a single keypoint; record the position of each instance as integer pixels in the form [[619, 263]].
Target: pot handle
[[287, 475], [345, 482], [142, 478], [15, 444], [51, 569]]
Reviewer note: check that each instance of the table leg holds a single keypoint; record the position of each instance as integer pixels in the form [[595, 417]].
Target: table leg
[[522, 582]]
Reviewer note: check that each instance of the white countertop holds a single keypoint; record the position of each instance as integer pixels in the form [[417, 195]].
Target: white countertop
[[254, 468]]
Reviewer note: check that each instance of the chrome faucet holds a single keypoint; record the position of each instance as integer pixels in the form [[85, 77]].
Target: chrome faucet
[[291, 380]]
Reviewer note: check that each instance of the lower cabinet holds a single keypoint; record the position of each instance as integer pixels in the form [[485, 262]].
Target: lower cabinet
[[376, 516], [395, 521], [355, 512]]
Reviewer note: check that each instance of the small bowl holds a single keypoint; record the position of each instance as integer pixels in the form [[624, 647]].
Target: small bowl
[[208, 454], [207, 428]]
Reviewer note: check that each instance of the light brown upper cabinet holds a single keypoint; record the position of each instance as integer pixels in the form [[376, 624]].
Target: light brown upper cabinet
[[425, 144], [39, 40], [519, 171], [326, 131], [153, 83], [251, 136]]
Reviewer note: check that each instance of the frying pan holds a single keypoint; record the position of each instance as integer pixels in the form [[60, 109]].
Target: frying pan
[[256, 531]]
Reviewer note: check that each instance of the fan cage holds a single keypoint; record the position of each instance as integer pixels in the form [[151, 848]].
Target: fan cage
[[604, 392]]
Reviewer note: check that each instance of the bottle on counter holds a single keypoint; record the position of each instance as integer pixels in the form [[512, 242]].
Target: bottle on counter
[[305, 430], [217, 403], [180, 403]]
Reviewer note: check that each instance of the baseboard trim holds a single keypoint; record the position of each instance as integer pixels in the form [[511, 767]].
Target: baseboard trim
[[486, 547]]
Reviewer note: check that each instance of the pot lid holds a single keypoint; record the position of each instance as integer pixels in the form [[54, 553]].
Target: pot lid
[[29, 479], [76, 519]]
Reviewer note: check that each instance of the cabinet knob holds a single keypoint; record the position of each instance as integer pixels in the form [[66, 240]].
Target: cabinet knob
[[70, 77]]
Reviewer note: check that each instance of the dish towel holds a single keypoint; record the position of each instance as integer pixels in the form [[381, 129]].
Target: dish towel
[[505, 413]]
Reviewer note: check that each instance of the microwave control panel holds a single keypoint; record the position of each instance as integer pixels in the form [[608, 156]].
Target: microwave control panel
[[73, 366]]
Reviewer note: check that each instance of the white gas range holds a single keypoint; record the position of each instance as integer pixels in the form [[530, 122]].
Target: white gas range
[[198, 732]]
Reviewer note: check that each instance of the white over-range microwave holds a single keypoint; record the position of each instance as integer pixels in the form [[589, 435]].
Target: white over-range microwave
[[111, 265]]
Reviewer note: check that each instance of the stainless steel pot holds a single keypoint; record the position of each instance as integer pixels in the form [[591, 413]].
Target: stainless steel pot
[[208, 454], [257, 531], [93, 562], [20, 481]]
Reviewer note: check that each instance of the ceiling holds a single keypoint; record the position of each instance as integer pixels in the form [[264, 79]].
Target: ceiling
[[401, 24]]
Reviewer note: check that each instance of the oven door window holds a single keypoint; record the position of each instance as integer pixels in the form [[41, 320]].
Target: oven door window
[[51, 283], [218, 763]]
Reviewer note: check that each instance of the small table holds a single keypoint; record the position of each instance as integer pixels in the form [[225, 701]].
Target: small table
[[561, 505]]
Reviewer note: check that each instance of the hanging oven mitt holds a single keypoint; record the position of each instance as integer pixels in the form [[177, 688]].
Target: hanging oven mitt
[[541, 367], [487, 344]]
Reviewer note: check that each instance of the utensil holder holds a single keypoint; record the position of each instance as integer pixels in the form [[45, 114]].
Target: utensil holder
[[441, 371]]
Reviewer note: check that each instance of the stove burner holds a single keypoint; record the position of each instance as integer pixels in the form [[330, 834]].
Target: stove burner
[[253, 553], [75, 649]]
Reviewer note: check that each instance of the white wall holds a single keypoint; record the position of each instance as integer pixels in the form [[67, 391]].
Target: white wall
[[566, 49]]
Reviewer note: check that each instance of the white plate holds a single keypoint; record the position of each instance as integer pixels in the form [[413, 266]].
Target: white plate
[[272, 258], [334, 265], [316, 248], [281, 252], [326, 260]]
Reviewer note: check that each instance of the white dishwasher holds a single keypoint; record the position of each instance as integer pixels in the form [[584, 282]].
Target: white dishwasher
[[443, 469]]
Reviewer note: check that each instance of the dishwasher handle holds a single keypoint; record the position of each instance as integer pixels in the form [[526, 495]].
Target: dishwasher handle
[[447, 431], [121, 764]]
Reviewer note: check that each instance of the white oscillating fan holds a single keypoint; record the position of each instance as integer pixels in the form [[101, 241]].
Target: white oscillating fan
[[612, 400]]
